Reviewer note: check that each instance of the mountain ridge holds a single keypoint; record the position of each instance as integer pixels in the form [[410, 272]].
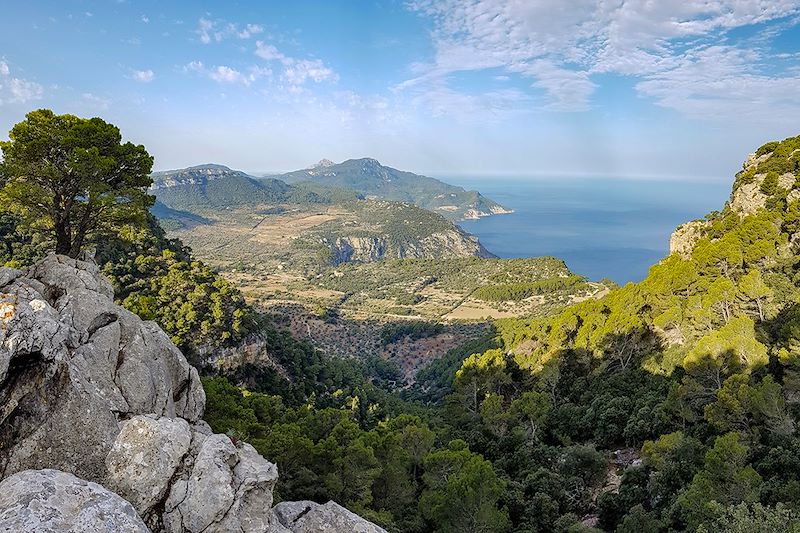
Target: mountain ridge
[[368, 177]]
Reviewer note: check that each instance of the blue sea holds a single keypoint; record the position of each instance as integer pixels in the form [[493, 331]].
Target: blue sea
[[602, 228]]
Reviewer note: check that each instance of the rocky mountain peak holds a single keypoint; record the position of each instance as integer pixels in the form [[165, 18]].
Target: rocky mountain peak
[[322, 163], [100, 422]]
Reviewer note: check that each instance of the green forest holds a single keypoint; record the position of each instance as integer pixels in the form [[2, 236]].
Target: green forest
[[667, 405]]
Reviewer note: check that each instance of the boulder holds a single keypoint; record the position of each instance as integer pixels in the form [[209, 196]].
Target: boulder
[[228, 488], [45, 501], [311, 517], [144, 458]]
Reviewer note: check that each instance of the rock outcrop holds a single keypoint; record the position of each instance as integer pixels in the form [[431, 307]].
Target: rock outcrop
[[685, 236], [439, 245], [88, 388], [747, 198], [311, 517], [50, 501]]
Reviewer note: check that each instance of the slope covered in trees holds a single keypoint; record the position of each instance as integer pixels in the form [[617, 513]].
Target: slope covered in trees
[[369, 178], [695, 368]]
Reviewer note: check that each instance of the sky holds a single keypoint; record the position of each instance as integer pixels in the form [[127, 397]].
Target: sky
[[677, 89]]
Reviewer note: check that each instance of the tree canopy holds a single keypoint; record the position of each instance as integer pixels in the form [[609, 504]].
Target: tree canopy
[[73, 178]]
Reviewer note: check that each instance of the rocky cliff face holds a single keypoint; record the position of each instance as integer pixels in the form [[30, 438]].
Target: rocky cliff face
[[439, 245], [685, 236], [89, 389], [747, 197]]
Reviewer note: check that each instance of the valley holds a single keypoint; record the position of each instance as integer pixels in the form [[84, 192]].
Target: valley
[[336, 269]]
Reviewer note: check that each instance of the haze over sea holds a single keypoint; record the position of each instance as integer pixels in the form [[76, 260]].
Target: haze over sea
[[602, 228]]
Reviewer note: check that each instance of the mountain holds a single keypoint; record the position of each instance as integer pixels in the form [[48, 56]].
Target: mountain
[[217, 186], [373, 180], [219, 207]]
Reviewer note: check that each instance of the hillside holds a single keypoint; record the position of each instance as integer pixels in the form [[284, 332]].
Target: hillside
[[321, 227], [683, 387], [219, 187], [308, 237], [371, 179]]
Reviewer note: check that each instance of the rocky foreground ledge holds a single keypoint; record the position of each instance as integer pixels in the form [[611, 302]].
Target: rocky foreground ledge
[[101, 424]]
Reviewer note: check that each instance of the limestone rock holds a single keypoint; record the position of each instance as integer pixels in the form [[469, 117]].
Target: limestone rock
[[748, 198], [89, 388], [144, 458], [72, 364], [752, 160], [684, 238], [787, 180], [227, 489], [44, 501], [311, 517], [442, 244]]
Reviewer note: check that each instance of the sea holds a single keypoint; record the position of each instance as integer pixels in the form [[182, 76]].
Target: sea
[[601, 227]]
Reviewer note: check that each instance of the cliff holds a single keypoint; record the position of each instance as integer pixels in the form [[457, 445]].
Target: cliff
[[101, 423], [768, 175], [440, 245]]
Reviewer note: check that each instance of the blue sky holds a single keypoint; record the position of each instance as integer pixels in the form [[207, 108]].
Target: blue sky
[[674, 88]]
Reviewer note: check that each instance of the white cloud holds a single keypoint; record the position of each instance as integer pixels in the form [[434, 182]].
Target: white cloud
[[16, 90], [96, 102], [204, 29], [142, 76], [295, 71], [225, 74], [249, 30], [268, 52], [228, 75], [24, 90], [145, 19], [217, 30], [560, 45]]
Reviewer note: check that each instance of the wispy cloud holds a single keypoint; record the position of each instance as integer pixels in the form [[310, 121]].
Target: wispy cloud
[[142, 76], [15, 90], [228, 75], [217, 30], [96, 102], [296, 71], [671, 46]]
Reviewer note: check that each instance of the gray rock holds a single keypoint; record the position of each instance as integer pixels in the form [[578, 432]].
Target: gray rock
[[311, 517], [228, 488], [144, 458], [7, 275], [787, 180], [685, 236], [72, 364], [748, 198], [62, 274], [44, 501], [89, 388]]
